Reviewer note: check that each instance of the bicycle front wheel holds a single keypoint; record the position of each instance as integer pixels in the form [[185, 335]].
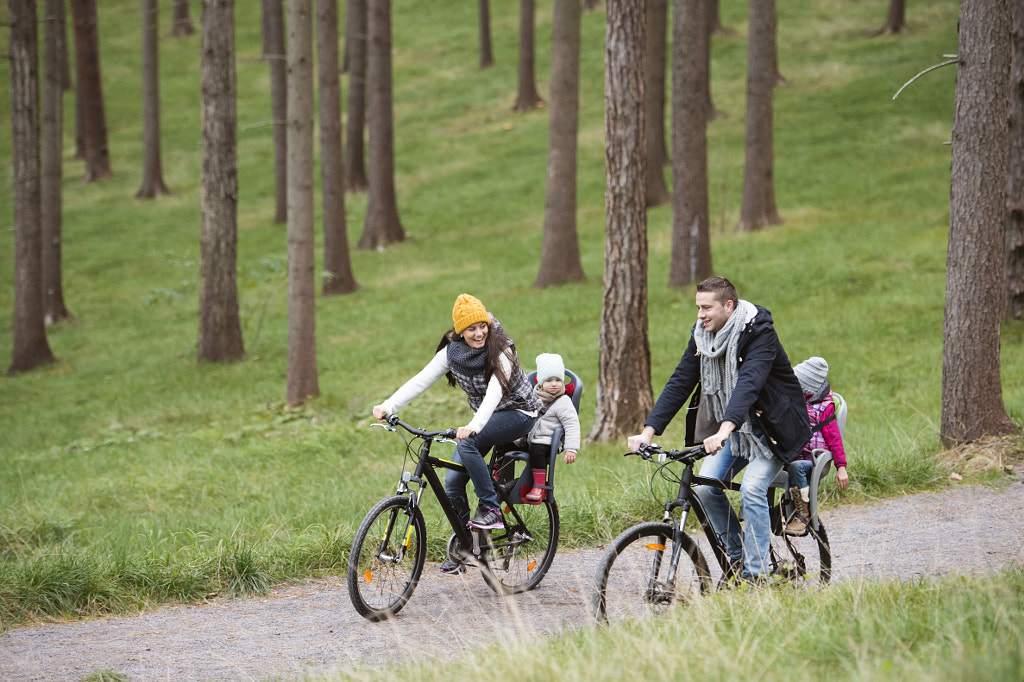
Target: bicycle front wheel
[[521, 555], [387, 558], [636, 576], [803, 559]]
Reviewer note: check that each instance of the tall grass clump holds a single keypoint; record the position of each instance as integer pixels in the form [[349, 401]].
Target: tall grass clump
[[950, 629], [149, 477]]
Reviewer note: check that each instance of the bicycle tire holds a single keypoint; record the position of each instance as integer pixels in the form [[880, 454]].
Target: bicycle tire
[[519, 556], [382, 575], [804, 560], [631, 579]]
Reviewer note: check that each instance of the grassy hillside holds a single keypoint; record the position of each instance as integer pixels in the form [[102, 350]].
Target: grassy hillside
[[150, 477]]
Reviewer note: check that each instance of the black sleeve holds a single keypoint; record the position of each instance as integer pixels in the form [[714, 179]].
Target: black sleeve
[[679, 387]]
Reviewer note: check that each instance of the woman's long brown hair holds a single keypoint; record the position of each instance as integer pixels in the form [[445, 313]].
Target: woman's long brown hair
[[495, 344]]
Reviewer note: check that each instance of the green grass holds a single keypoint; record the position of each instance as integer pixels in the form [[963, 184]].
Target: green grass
[[133, 476]]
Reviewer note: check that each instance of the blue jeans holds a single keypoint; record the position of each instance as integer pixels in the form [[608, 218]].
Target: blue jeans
[[503, 427], [799, 473], [753, 551]]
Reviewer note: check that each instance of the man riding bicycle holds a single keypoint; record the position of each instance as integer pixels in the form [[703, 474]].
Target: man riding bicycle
[[749, 412]]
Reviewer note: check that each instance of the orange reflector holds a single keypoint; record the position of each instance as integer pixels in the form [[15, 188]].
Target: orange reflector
[[533, 565], [508, 510], [368, 577], [656, 546]]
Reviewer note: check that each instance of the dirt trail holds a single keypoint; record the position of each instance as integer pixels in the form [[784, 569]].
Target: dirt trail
[[313, 628]]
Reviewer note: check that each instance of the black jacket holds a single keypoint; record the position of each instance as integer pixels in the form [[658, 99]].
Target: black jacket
[[767, 391]]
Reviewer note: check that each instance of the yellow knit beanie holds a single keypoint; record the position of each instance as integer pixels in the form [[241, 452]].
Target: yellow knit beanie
[[468, 311]]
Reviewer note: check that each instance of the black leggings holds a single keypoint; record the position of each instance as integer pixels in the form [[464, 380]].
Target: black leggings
[[539, 453]]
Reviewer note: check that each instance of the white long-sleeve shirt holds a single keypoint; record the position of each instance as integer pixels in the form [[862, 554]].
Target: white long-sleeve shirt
[[436, 369]]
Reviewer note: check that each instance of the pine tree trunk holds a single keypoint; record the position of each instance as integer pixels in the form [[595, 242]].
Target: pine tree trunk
[[1015, 173], [486, 54], [355, 150], [52, 164], [152, 169], [691, 241], [624, 396], [302, 366], [972, 402], [527, 97], [654, 89], [274, 55], [93, 117], [30, 349], [339, 278], [182, 24], [220, 333], [560, 251]]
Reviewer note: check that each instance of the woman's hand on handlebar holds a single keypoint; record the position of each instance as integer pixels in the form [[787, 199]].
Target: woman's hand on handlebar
[[379, 412], [463, 433]]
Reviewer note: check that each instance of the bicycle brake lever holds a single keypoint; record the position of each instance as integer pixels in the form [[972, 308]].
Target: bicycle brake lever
[[386, 427]]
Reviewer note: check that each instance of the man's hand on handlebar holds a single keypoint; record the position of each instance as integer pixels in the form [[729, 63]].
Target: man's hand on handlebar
[[716, 442], [643, 438]]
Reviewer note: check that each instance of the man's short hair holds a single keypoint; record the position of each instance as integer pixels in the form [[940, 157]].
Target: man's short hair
[[722, 289]]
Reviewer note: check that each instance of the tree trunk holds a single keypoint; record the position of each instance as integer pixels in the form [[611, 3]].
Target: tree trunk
[[152, 169], [759, 208], [972, 402], [382, 224], [560, 251], [486, 55], [302, 369], [527, 97], [274, 54], [355, 151], [339, 278], [896, 21], [65, 60], [624, 396], [1015, 173], [51, 162], [714, 18], [30, 348], [182, 24], [220, 333], [654, 107], [90, 90], [691, 241], [591, 5]]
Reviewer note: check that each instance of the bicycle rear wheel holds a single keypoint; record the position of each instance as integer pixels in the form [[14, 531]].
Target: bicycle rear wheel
[[634, 578], [804, 560], [521, 555], [387, 558]]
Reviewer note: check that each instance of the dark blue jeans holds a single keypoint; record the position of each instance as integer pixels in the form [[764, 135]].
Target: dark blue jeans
[[503, 427]]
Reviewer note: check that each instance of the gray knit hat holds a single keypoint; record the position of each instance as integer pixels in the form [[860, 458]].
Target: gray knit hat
[[550, 365], [812, 374]]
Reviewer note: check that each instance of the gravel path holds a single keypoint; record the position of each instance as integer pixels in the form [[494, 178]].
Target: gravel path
[[313, 628]]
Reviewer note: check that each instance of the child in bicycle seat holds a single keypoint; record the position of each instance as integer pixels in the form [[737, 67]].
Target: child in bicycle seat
[[812, 374], [556, 410]]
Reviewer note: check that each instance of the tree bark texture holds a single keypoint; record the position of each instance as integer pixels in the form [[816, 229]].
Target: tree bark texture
[[152, 168], [30, 348], [691, 240], [182, 23], [355, 149], [90, 90], [1015, 173], [972, 403], [339, 278], [560, 251], [274, 54], [52, 164], [302, 366], [382, 225], [895, 22], [624, 396], [527, 97], [486, 53], [220, 333], [654, 90], [758, 209]]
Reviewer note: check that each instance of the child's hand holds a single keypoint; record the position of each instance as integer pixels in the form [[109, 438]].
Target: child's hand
[[842, 478], [569, 457]]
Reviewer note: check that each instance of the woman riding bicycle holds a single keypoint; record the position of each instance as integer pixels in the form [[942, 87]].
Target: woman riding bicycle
[[477, 356]]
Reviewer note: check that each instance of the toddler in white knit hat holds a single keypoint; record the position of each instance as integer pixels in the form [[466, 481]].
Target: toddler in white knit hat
[[556, 409]]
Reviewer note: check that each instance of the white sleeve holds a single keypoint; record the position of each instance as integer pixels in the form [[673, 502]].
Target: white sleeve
[[491, 398], [412, 389]]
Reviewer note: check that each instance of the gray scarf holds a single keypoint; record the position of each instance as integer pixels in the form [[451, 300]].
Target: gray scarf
[[719, 373]]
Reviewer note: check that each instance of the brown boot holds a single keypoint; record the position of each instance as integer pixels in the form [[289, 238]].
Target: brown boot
[[537, 493], [801, 514]]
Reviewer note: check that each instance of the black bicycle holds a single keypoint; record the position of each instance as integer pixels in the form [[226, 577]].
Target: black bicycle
[[390, 547], [656, 564]]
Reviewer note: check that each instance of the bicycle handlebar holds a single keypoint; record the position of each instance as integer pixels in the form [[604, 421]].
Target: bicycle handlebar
[[652, 451], [440, 436]]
